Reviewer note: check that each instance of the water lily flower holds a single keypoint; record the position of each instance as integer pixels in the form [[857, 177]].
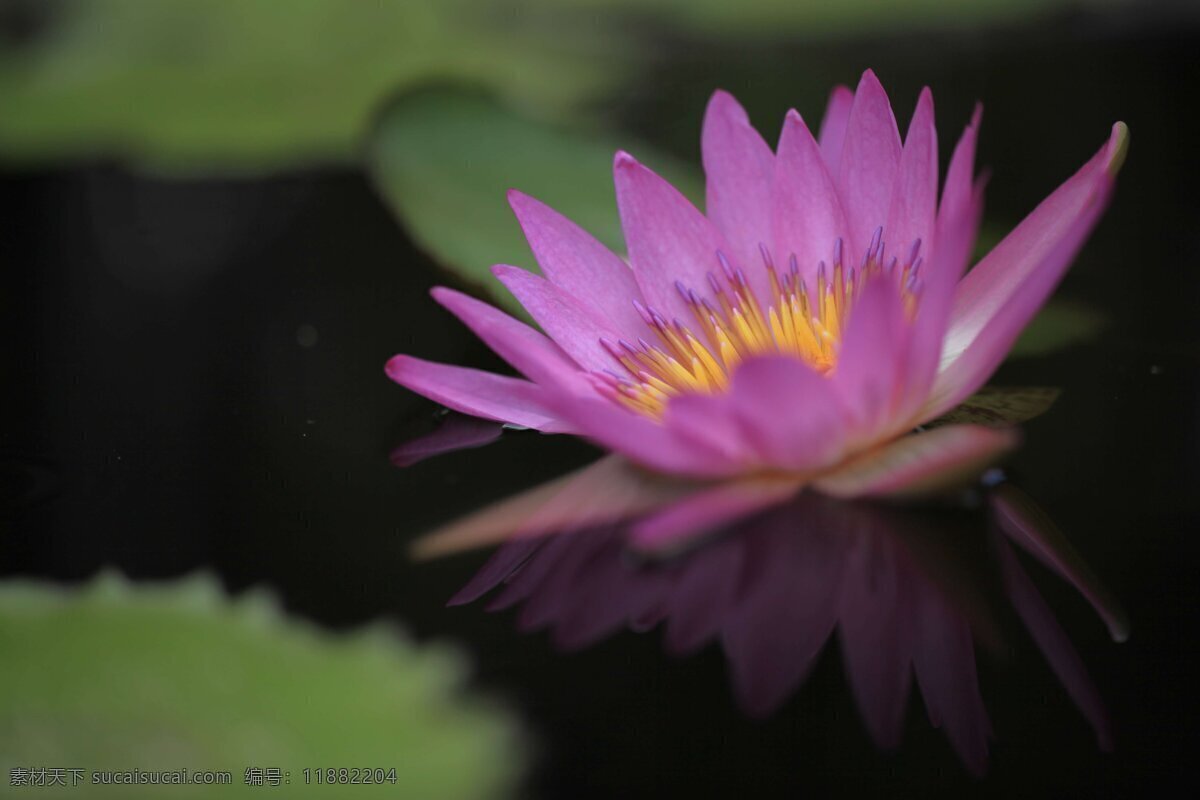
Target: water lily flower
[[801, 332]]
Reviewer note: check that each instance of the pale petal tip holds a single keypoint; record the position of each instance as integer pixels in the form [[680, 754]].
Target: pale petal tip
[[623, 159], [1118, 148]]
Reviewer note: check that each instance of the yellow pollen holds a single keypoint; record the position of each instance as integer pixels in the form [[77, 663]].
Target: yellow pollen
[[738, 326]]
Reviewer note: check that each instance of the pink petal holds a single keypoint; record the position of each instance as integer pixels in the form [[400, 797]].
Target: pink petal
[[919, 463], [871, 362], [833, 126], [957, 224], [641, 439], [870, 162], [478, 393], [788, 413], [579, 265], [456, 432], [608, 490], [669, 241], [997, 299], [806, 214], [565, 319], [709, 509], [530, 352], [738, 166], [914, 197]]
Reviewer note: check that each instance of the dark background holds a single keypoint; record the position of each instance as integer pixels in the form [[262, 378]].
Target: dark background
[[193, 375]]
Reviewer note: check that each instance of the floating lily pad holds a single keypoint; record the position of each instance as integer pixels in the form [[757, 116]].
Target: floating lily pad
[[444, 160], [122, 677], [1000, 406]]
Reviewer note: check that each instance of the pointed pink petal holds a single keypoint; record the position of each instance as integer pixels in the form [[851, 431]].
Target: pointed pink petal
[[997, 299], [788, 413], [645, 441], [1026, 524], [806, 214], [957, 224], [579, 265], [456, 432], [707, 510], [565, 319], [920, 462], [474, 392], [871, 362], [914, 197], [870, 161], [1050, 638], [668, 239], [833, 126], [608, 490], [738, 166], [530, 352]]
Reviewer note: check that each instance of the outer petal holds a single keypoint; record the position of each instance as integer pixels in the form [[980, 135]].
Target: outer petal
[[669, 241], [914, 197], [919, 463], [652, 444], [806, 214], [578, 264], [997, 299], [474, 392], [709, 509], [833, 126], [739, 166], [957, 224], [871, 364], [607, 490], [870, 162], [570, 323], [788, 413], [530, 352]]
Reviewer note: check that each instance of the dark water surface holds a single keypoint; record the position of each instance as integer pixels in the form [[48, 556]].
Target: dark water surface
[[194, 380]]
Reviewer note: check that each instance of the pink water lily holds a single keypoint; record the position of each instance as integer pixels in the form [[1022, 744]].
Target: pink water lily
[[800, 333]]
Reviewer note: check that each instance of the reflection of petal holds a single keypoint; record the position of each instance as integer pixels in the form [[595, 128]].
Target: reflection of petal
[[455, 432], [1026, 524], [1054, 644], [895, 583]]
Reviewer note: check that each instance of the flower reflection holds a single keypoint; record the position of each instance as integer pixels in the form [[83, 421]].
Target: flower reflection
[[896, 585]]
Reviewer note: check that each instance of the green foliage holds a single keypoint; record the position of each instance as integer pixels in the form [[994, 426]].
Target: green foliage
[[445, 159], [255, 84], [118, 677], [1061, 324]]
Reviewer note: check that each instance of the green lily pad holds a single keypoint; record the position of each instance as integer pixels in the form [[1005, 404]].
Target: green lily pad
[[125, 678], [251, 85], [444, 160]]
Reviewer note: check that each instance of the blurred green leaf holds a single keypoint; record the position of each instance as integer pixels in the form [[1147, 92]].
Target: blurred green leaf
[[444, 160], [259, 84], [118, 677], [1061, 324]]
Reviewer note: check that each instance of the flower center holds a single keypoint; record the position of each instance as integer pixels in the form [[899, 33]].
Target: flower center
[[732, 325]]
